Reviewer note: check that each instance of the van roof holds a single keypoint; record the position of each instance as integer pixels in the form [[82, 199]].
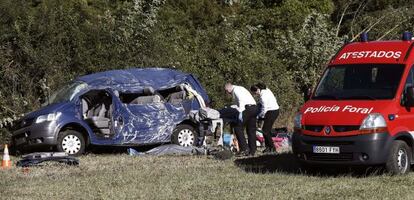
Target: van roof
[[136, 78], [393, 52]]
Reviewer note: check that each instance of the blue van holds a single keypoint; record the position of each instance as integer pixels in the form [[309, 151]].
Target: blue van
[[115, 108]]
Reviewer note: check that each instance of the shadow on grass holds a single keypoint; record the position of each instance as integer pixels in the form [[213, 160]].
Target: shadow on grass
[[92, 149], [287, 163]]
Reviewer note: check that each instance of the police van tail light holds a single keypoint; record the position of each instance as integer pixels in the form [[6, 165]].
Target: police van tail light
[[373, 123]]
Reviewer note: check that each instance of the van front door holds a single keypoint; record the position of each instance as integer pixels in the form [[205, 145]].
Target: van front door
[[406, 113]]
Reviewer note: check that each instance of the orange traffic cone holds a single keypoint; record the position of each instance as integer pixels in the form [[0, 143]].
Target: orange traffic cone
[[6, 164]]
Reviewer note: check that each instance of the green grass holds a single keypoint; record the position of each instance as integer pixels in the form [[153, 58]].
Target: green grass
[[119, 176]]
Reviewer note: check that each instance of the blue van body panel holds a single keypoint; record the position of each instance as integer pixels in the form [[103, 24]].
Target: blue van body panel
[[141, 124]]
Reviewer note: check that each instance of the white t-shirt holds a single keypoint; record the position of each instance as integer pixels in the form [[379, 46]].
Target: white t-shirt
[[242, 97], [268, 101]]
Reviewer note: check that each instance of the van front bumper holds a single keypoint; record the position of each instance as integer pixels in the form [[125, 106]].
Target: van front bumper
[[35, 135], [367, 149]]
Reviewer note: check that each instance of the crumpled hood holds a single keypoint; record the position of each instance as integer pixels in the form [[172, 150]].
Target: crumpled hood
[[48, 109], [350, 112]]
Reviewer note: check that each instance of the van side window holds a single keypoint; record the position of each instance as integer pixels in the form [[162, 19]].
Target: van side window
[[147, 96], [410, 79], [96, 103], [175, 95], [409, 82]]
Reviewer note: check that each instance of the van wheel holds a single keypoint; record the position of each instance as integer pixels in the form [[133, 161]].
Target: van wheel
[[184, 135], [399, 158], [71, 142]]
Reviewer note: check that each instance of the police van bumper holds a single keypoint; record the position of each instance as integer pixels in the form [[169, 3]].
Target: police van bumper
[[366, 149]]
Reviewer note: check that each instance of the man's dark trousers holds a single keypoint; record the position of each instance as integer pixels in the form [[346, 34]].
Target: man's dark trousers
[[249, 121]]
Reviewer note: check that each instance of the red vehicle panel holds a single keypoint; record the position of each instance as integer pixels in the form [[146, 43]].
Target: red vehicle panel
[[362, 111]]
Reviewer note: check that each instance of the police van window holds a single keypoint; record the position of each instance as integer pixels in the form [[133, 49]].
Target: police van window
[[409, 81], [360, 81]]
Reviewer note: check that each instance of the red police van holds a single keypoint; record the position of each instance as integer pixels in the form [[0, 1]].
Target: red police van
[[362, 111]]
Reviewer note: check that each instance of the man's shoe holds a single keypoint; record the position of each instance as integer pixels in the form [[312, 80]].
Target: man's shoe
[[242, 153]]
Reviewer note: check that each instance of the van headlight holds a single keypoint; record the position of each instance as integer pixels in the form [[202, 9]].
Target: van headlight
[[297, 122], [374, 122], [47, 117]]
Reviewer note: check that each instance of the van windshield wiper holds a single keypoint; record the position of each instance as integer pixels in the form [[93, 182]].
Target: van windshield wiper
[[360, 97], [326, 97]]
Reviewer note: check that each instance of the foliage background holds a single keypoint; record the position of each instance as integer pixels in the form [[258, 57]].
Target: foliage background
[[282, 43]]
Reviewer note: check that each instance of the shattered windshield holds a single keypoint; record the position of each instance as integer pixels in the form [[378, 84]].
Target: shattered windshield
[[360, 81], [67, 92]]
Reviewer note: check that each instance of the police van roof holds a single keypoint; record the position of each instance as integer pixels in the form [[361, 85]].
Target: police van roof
[[393, 52]]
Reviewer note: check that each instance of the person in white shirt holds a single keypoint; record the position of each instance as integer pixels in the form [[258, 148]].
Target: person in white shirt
[[269, 111], [246, 105]]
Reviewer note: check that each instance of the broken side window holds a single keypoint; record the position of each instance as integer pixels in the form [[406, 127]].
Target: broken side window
[[175, 95], [140, 98], [96, 103], [97, 111]]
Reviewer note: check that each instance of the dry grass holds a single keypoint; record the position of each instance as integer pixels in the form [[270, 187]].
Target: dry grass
[[119, 176]]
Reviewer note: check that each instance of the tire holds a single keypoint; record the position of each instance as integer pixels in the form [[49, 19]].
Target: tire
[[71, 142], [184, 135], [399, 158]]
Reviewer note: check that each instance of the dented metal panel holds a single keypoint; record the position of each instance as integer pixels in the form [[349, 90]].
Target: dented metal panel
[[129, 123], [150, 123]]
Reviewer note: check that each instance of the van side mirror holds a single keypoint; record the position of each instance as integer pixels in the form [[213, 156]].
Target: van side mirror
[[307, 93], [409, 97]]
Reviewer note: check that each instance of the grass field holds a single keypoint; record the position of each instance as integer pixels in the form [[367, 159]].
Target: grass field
[[119, 176]]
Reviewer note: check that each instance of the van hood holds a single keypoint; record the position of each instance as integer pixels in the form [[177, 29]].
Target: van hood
[[48, 109], [353, 112]]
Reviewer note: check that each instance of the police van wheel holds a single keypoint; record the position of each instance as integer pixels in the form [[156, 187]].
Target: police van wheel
[[184, 135], [71, 142], [399, 158]]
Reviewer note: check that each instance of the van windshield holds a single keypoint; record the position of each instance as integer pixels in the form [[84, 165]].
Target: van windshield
[[67, 92], [360, 81]]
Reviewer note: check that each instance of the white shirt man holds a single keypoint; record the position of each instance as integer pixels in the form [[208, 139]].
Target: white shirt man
[[242, 97], [268, 102], [246, 105]]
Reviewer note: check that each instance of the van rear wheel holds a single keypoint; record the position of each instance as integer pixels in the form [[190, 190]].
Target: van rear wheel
[[184, 135], [399, 158], [71, 142]]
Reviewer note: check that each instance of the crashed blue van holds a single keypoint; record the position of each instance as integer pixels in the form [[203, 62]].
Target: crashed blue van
[[115, 108]]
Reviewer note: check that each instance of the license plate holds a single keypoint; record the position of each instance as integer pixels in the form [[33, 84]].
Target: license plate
[[322, 149]]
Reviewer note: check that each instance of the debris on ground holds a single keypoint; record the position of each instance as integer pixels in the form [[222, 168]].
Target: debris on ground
[[40, 157], [170, 149], [173, 149]]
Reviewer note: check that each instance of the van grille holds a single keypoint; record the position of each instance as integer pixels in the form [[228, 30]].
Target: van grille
[[23, 123], [330, 157], [336, 128], [314, 128], [327, 143], [345, 128]]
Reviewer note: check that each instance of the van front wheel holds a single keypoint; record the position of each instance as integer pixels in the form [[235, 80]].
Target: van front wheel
[[71, 142], [399, 158]]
